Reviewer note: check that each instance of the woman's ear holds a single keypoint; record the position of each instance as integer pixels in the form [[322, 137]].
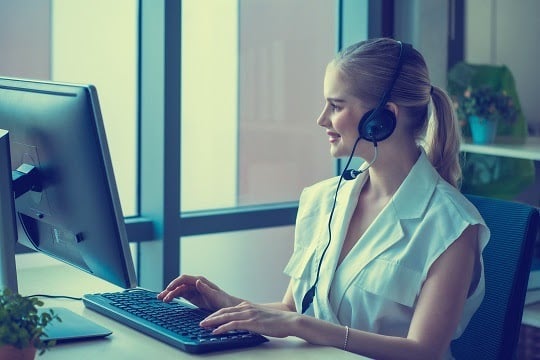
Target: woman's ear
[[393, 108]]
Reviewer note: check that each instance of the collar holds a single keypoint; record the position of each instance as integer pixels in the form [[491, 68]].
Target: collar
[[422, 179]]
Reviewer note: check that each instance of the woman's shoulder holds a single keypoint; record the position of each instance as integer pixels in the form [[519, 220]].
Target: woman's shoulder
[[457, 202], [451, 212]]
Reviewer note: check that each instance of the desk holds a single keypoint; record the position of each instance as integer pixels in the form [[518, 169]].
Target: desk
[[126, 343]]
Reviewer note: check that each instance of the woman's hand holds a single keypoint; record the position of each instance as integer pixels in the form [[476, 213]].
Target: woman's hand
[[257, 318], [199, 291]]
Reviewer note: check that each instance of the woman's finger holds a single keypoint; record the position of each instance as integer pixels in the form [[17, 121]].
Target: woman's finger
[[225, 315], [233, 325], [182, 280]]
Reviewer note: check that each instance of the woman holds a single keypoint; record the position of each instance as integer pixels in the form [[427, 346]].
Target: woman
[[387, 260]]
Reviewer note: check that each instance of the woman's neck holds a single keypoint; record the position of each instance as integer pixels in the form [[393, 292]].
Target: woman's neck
[[388, 173]]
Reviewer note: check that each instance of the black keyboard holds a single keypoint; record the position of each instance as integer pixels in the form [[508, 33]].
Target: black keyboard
[[174, 323]]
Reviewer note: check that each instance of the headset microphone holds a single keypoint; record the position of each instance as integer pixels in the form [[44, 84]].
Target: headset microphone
[[351, 174]]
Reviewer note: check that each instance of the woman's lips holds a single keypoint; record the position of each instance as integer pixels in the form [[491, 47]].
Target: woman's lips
[[332, 136]]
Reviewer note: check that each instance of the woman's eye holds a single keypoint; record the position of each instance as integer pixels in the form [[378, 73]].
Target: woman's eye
[[334, 107]]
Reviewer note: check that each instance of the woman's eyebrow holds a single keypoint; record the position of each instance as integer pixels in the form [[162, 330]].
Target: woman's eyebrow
[[337, 100]]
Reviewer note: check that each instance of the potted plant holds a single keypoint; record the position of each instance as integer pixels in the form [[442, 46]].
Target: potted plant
[[483, 108], [22, 326]]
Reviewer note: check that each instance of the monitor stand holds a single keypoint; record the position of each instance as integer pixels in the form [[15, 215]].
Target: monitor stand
[[73, 327]]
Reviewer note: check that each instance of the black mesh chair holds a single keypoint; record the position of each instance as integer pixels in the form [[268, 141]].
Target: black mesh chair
[[493, 331]]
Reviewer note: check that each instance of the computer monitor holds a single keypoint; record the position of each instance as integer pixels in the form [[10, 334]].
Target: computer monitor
[[61, 188]]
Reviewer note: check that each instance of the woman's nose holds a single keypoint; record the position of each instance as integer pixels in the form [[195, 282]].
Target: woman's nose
[[322, 120]]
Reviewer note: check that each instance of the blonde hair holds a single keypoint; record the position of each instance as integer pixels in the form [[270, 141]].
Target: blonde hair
[[369, 66]]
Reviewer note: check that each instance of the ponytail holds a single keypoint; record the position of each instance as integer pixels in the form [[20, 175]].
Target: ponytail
[[443, 138]]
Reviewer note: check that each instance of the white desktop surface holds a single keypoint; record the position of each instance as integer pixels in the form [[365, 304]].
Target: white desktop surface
[[127, 343]]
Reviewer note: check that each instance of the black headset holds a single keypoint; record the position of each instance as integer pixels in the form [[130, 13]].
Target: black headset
[[376, 125], [379, 123]]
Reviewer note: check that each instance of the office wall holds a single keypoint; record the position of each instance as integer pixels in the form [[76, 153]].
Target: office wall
[[507, 32], [24, 20]]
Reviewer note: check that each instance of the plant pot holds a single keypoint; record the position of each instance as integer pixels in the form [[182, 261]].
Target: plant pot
[[12, 353], [483, 131]]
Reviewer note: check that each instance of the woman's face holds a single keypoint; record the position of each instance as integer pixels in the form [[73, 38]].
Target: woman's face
[[341, 114]]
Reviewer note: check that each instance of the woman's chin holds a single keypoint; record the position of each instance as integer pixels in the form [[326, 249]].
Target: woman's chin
[[338, 152]]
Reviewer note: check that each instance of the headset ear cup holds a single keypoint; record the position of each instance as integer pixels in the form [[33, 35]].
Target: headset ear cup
[[376, 126], [362, 129]]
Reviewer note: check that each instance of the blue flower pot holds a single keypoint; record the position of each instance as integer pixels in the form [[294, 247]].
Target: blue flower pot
[[483, 131]]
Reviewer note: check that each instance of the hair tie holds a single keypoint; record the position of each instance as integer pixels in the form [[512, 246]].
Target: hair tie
[[431, 91]]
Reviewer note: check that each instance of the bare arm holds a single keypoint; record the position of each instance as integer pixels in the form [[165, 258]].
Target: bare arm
[[286, 304]]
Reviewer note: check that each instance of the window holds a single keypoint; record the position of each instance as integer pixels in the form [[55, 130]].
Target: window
[[95, 42], [252, 77]]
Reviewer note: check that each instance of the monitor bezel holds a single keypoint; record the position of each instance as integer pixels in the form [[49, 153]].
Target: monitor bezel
[[8, 224]]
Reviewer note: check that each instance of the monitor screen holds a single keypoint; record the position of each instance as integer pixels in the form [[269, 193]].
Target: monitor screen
[[71, 211]]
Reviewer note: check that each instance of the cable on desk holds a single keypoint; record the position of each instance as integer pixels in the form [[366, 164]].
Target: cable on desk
[[55, 296]]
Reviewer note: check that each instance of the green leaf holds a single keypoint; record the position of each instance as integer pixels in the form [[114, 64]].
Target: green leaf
[[20, 323]]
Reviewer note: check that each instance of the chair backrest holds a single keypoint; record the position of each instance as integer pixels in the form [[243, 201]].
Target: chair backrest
[[493, 331]]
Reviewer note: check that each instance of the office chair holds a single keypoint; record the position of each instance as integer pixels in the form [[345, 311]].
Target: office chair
[[493, 331]]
